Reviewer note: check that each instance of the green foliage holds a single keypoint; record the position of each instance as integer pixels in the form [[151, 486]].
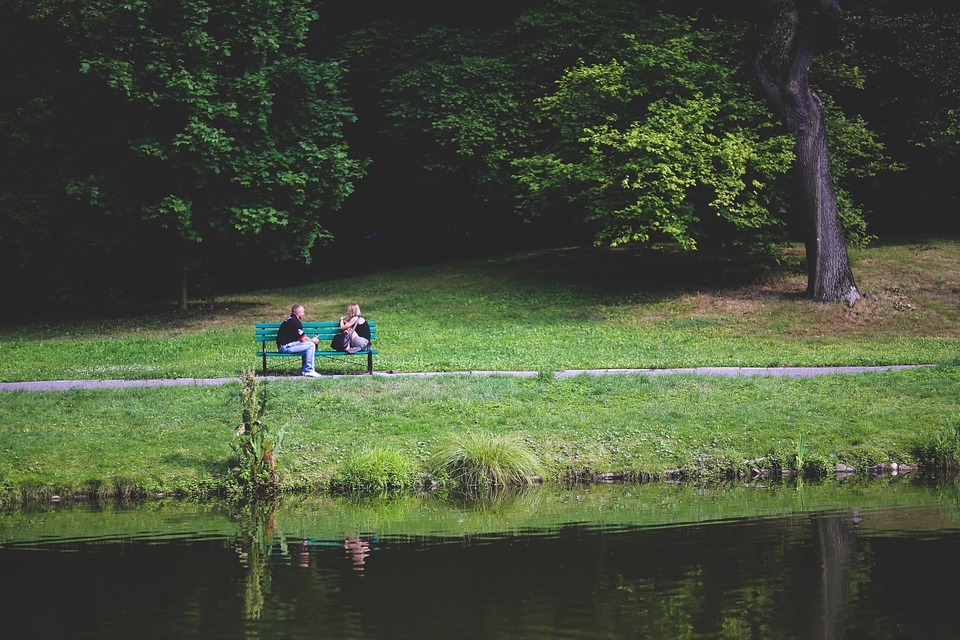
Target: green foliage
[[652, 136], [917, 83], [856, 156], [239, 132], [49, 128], [800, 457], [807, 463], [253, 442], [148, 137], [374, 470], [940, 451], [483, 460], [454, 105], [648, 126], [461, 101], [155, 136], [666, 142]]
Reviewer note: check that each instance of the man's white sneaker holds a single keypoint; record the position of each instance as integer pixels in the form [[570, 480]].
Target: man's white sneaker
[[312, 374]]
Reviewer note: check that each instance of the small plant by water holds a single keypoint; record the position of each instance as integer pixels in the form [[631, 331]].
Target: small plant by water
[[374, 470], [940, 451], [800, 457], [481, 460], [255, 445]]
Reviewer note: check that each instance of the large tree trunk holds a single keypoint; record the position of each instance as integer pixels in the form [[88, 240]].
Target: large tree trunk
[[787, 49]]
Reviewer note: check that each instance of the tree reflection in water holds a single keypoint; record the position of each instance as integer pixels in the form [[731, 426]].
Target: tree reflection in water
[[835, 535], [658, 561]]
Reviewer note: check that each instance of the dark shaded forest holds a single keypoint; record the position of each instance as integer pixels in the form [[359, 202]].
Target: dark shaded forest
[[174, 149]]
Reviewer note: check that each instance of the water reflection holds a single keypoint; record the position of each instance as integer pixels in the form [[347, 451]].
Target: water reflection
[[254, 542], [655, 561], [835, 537], [357, 549]]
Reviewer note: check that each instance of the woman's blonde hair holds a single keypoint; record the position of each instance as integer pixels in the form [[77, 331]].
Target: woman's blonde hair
[[353, 310]]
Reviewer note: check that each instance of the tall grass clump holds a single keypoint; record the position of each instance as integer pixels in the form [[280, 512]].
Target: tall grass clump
[[940, 451], [800, 455], [486, 461], [374, 470], [255, 445]]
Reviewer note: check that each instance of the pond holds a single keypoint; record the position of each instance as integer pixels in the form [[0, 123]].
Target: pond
[[839, 559]]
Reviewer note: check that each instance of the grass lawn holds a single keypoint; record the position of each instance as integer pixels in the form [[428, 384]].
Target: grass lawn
[[545, 310], [541, 311]]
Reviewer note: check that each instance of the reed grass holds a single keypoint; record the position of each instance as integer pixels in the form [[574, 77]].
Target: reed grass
[[940, 450], [480, 460], [374, 470]]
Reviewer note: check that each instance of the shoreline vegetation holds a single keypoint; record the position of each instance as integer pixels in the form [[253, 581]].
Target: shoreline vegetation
[[548, 310]]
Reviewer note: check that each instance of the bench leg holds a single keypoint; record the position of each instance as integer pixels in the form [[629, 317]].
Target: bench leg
[[370, 362], [264, 363]]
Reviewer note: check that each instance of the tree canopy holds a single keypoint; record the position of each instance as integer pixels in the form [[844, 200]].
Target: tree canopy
[[194, 137], [665, 142], [645, 125], [215, 132]]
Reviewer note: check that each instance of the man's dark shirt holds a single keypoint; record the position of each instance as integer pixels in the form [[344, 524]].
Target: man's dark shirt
[[289, 331]]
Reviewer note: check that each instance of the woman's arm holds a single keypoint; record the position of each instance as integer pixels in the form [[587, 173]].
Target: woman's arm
[[347, 323]]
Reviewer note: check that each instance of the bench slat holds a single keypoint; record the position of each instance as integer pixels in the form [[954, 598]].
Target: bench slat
[[268, 337]]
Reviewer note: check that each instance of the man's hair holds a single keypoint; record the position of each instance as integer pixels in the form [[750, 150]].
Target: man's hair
[[293, 309]]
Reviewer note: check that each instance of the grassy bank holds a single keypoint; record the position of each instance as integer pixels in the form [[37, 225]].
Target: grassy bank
[[539, 311], [177, 439]]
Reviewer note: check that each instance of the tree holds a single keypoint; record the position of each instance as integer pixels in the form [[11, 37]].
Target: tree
[[231, 135], [457, 103], [795, 28], [659, 136], [201, 131], [665, 144]]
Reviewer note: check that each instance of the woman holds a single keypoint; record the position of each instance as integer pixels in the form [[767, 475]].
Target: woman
[[357, 328]]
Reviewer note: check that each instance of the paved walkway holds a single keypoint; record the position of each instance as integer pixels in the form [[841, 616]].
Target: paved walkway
[[791, 372]]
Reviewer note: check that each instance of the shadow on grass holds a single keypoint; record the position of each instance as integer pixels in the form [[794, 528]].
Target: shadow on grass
[[638, 272], [152, 316], [639, 269]]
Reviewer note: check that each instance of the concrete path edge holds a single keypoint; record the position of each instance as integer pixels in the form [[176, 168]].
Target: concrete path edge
[[792, 372]]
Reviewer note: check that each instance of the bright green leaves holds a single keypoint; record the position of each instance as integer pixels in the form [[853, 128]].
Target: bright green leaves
[[586, 96], [254, 443], [663, 143]]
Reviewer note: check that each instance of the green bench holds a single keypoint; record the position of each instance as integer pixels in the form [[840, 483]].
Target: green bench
[[266, 337]]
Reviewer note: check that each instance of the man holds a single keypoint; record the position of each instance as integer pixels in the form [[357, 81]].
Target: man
[[292, 339]]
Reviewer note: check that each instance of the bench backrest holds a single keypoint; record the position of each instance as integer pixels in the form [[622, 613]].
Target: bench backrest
[[267, 331]]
